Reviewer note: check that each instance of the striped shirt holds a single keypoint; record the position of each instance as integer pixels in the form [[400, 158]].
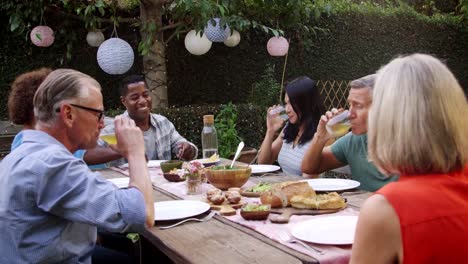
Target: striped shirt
[[161, 140], [290, 157]]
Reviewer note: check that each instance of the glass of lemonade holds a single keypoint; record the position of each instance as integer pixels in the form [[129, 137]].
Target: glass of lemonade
[[339, 124], [109, 138]]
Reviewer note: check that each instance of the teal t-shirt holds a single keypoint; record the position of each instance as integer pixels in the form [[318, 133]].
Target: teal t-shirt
[[352, 149]]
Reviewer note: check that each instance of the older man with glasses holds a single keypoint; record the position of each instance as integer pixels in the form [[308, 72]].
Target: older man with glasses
[[50, 202]]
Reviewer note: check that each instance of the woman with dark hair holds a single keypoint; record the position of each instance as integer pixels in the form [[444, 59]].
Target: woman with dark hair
[[304, 106]]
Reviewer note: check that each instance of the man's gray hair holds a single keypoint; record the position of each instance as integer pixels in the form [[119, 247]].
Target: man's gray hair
[[59, 86], [364, 82]]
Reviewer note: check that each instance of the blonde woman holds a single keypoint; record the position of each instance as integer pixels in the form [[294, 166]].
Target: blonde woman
[[418, 127]]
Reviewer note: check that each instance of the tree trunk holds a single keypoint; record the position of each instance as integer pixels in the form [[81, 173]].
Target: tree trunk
[[154, 63]]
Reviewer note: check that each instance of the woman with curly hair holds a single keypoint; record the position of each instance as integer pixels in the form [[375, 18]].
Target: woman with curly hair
[[20, 100]]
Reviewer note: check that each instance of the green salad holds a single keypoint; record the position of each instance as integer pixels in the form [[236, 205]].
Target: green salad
[[261, 187], [255, 207]]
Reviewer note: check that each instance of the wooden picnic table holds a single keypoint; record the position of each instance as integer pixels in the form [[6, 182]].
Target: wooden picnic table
[[221, 240]]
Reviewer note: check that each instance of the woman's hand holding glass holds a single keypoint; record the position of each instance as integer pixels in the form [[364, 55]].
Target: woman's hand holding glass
[[275, 121]]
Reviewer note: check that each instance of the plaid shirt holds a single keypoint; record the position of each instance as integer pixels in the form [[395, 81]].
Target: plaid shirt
[[161, 140]]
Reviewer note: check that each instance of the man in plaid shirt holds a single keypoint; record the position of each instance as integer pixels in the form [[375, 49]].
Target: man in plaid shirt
[[162, 141]]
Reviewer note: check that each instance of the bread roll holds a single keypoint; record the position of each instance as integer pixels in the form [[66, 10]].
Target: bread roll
[[281, 193], [322, 201], [217, 199], [213, 192]]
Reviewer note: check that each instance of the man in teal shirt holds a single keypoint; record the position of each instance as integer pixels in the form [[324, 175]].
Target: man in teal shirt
[[352, 148]]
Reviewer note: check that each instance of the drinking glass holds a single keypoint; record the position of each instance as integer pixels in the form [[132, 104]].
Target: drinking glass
[[280, 110], [109, 138], [339, 124]]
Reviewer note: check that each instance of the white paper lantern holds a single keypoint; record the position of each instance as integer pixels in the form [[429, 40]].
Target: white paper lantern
[[233, 39], [42, 36], [94, 38], [217, 33], [115, 56], [277, 46], [195, 44]]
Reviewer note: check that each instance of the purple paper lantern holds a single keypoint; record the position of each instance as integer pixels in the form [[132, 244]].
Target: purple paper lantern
[[42, 36], [277, 46], [216, 33]]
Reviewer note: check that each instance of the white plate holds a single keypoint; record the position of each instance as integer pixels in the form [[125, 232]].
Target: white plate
[[262, 168], [178, 209], [207, 162], [330, 230], [150, 164], [332, 185], [120, 182]]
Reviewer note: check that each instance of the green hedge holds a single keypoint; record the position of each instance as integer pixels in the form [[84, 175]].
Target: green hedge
[[358, 43]]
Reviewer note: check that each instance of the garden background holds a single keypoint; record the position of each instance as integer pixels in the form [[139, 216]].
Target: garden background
[[358, 40]]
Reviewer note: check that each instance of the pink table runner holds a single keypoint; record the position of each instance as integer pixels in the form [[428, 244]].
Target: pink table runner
[[333, 254]]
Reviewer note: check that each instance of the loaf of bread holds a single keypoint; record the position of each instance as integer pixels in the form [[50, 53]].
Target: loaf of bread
[[280, 194], [321, 201]]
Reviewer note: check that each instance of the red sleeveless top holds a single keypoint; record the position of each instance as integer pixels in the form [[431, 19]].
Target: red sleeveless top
[[433, 214]]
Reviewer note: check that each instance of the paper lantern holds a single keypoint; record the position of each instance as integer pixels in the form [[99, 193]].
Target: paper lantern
[[115, 56], [94, 38], [216, 33], [233, 39], [195, 44], [42, 36], [277, 46]]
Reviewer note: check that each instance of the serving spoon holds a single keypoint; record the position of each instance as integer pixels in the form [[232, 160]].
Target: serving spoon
[[238, 151]]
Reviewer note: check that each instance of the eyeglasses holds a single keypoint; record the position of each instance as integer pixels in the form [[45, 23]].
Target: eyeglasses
[[100, 112]]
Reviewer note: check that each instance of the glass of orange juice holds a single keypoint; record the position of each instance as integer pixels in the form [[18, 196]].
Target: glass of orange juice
[[109, 138], [339, 124]]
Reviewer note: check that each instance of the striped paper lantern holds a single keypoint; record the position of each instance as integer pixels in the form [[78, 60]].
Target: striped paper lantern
[[115, 56], [215, 32], [42, 36], [277, 46]]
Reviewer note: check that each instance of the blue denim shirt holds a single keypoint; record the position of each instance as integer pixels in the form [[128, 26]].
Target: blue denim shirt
[[51, 204]]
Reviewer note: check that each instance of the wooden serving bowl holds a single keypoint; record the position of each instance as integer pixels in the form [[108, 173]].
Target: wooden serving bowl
[[167, 166], [255, 215], [172, 177], [223, 177]]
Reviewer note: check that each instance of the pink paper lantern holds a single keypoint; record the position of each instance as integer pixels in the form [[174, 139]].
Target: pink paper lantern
[[42, 36], [277, 46]]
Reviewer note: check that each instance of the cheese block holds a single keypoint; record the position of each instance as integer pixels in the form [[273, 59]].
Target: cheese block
[[321, 201], [281, 193]]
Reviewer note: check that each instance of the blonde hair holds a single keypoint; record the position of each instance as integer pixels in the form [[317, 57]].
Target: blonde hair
[[418, 121], [59, 86]]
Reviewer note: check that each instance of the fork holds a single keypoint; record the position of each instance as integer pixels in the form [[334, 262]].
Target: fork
[[285, 237], [204, 219]]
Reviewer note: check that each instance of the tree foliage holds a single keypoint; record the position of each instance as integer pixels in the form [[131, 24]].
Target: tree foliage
[[274, 17]]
